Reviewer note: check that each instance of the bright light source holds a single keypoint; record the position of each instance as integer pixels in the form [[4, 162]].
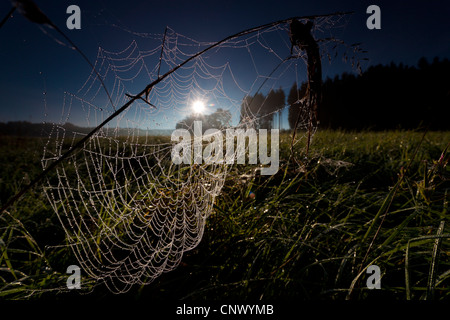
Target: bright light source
[[198, 106]]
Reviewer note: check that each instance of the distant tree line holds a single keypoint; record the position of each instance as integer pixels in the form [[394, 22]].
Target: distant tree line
[[385, 97], [25, 128], [29, 129], [263, 108]]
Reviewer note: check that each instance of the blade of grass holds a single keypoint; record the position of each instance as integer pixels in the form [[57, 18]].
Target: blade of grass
[[419, 241], [434, 261]]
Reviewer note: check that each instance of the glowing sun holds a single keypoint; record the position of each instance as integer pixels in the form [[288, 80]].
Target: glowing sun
[[198, 106]]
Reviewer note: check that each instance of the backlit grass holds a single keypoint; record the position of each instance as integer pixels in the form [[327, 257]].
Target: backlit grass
[[310, 232]]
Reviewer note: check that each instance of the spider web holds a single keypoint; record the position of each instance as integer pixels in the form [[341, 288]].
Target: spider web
[[129, 213]]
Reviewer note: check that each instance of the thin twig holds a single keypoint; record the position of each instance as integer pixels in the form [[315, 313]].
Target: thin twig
[[7, 16], [162, 51], [159, 67], [140, 98]]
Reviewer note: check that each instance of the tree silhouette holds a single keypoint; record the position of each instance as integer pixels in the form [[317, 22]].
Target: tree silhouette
[[220, 119], [262, 108], [275, 102]]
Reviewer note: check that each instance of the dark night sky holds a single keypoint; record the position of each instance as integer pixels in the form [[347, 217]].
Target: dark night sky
[[32, 62]]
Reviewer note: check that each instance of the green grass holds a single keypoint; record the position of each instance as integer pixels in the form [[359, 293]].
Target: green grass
[[360, 198]]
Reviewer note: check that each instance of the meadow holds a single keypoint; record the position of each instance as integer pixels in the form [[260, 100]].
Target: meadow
[[308, 232]]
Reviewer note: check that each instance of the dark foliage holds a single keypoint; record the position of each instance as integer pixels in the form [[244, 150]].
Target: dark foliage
[[217, 120], [389, 97]]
